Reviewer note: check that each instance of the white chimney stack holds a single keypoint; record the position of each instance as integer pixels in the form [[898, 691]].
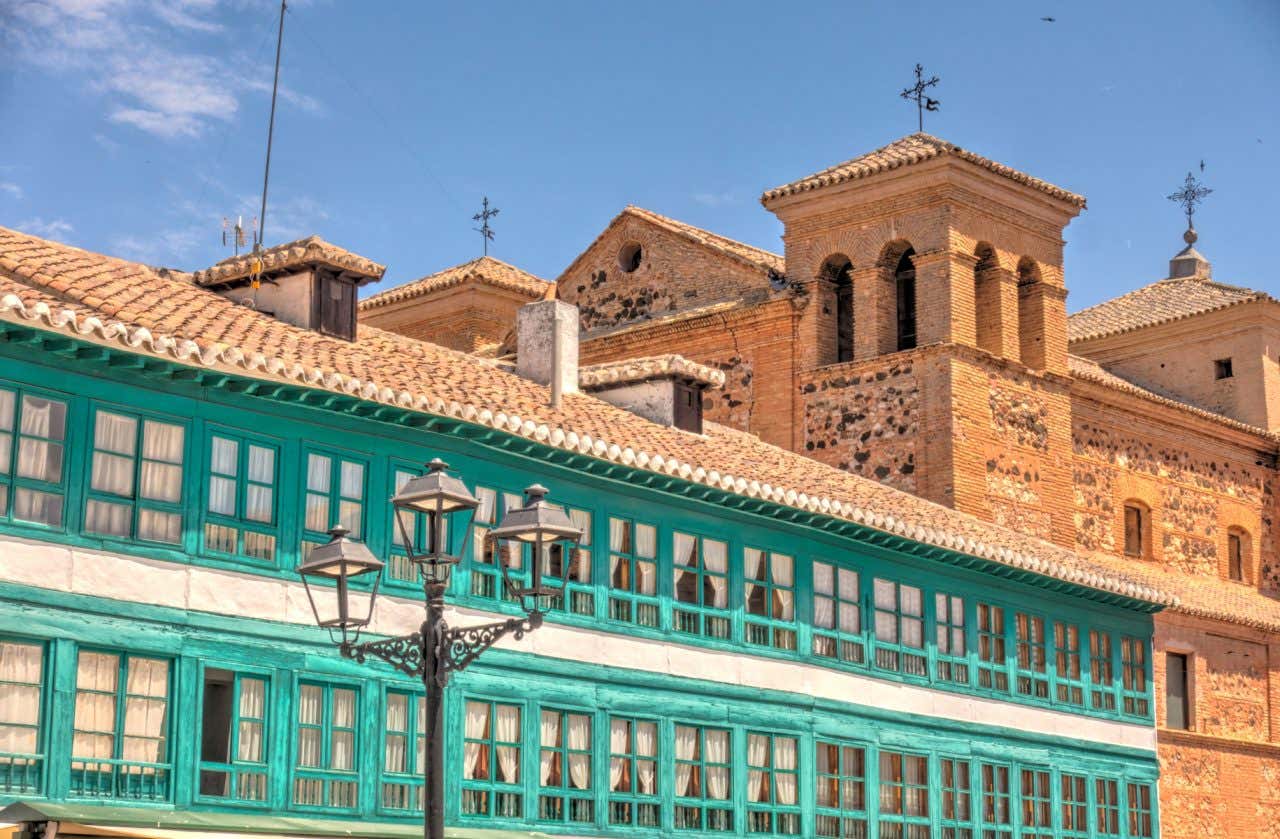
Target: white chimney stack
[[547, 346]]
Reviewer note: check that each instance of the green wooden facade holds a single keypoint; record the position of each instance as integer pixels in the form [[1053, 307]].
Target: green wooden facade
[[987, 631]]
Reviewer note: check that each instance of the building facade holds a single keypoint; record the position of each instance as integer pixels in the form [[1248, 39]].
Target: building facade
[[915, 332], [750, 641]]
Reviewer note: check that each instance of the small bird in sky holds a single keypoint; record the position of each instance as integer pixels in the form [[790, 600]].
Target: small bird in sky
[[1201, 165], [1048, 19]]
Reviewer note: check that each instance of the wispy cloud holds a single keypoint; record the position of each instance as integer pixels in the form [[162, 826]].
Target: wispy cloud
[[715, 199], [122, 49], [11, 189], [53, 229]]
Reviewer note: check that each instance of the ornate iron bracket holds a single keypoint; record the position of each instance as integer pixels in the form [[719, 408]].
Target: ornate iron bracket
[[460, 647], [457, 648], [405, 653]]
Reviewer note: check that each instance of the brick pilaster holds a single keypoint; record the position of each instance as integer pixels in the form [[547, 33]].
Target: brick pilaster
[[1042, 326], [996, 312], [945, 298]]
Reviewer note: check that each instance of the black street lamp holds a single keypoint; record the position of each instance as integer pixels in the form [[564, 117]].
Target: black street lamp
[[435, 650]]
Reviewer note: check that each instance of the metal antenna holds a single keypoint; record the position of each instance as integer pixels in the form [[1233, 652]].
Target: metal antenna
[[485, 231], [915, 93], [271, 130]]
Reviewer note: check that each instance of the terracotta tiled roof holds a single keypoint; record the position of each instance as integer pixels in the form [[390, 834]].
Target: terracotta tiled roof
[[486, 269], [1088, 370], [308, 251], [914, 148], [60, 288], [640, 369], [768, 263], [1160, 302]]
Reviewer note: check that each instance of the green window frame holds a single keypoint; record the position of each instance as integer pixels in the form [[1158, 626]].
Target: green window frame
[[136, 484], [700, 586], [492, 752], [404, 755], [703, 779], [1102, 669], [335, 488], [837, 614], [904, 795], [769, 596], [1136, 685], [899, 627], [241, 511], [33, 472], [1138, 805], [1074, 791], [997, 801], [22, 686], [1106, 807], [773, 784], [633, 572], [1036, 797], [565, 794], [952, 651], [326, 771], [634, 789], [575, 573], [1033, 656], [841, 774], [234, 767], [956, 794], [993, 662], [120, 736], [1068, 675]]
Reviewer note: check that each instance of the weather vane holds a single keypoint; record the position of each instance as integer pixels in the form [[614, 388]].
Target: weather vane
[[1192, 193], [916, 94], [485, 231]]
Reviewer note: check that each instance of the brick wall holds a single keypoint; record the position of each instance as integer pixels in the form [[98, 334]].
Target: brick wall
[[470, 317]]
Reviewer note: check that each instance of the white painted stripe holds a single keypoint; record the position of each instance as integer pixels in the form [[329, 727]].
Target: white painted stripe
[[134, 579]]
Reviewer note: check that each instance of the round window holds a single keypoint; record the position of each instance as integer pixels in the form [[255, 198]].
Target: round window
[[629, 257]]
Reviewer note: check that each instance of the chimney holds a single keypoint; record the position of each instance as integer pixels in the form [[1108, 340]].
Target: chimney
[[547, 346], [666, 389]]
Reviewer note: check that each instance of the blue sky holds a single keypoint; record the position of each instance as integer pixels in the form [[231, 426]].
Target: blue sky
[[133, 126]]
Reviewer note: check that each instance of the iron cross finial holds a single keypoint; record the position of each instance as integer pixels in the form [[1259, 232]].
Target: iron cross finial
[[916, 93], [1192, 193], [485, 231]]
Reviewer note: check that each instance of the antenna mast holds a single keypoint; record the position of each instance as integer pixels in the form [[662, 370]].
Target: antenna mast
[[271, 129]]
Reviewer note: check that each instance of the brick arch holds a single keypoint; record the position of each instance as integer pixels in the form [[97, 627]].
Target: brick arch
[[991, 320], [836, 274], [1031, 325], [1238, 518]]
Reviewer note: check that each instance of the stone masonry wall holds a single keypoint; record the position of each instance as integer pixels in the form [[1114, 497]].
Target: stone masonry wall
[[675, 274], [865, 418]]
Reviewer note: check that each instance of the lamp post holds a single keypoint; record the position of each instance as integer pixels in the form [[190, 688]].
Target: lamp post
[[443, 502]]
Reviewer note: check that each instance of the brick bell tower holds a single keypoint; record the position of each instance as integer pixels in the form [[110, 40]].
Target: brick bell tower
[[934, 345]]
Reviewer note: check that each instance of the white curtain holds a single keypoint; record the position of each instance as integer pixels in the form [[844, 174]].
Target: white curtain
[[477, 723], [161, 475], [783, 568], [259, 502], [646, 541], [886, 605], [754, 564], [647, 746], [96, 684], [684, 550], [718, 776], [828, 766], [580, 743], [757, 756], [351, 504], [646, 577], [582, 520], [146, 703], [342, 748], [686, 750], [619, 740], [43, 417], [912, 627], [114, 439], [352, 480], [7, 403], [824, 608], [224, 461], [785, 762], [396, 754], [40, 460], [508, 731], [619, 536], [310, 713], [484, 513], [20, 668], [159, 526], [318, 472], [715, 558], [550, 741], [252, 699]]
